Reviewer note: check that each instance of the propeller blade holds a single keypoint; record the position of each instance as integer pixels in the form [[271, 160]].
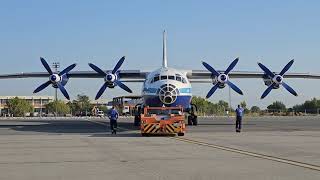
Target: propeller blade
[[118, 65], [63, 90], [45, 64], [42, 86], [267, 91], [101, 91], [210, 68], [289, 89], [266, 70], [234, 87], [212, 90], [123, 86], [231, 66], [97, 69], [67, 70], [286, 68]]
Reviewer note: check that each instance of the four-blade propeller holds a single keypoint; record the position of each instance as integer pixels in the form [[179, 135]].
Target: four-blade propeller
[[56, 79], [277, 79], [222, 78], [111, 79]]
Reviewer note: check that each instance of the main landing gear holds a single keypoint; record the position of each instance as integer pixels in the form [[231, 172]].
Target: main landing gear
[[137, 115], [192, 117]]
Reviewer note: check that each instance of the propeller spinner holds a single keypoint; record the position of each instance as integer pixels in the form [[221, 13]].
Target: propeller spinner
[[277, 79], [111, 79], [222, 78], [55, 78]]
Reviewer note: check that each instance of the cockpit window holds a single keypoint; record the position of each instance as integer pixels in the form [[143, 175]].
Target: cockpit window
[[164, 77], [156, 79], [184, 80], [178, 78], [171, 77]]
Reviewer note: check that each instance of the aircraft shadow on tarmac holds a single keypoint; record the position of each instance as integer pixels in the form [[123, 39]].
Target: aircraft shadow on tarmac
[[68, 127]]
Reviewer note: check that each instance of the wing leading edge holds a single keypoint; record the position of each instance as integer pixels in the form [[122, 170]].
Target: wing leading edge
[[203, 76], [126, 75]]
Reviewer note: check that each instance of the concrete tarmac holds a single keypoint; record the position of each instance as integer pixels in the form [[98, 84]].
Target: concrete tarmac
[[82, 149]]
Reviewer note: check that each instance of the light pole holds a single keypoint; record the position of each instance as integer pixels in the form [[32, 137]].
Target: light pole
[[55, 66], [230, 100]]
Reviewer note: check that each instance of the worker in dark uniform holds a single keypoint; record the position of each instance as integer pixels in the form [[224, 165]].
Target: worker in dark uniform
[[113, 116], [239, 114]]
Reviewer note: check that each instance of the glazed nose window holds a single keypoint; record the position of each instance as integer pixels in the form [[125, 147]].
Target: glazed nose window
[[168, 93]]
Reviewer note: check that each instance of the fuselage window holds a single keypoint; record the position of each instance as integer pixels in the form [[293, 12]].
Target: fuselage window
[[171, 77], [156, 79], [178, 78], [164, 77]]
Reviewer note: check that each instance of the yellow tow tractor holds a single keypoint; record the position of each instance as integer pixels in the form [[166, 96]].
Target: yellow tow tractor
[[163, 120]]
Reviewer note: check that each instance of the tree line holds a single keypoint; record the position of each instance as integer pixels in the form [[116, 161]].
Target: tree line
[[206, 107], [79, 107], [82, 106]]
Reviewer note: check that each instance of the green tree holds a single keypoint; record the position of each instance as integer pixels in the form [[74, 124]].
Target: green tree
[[223, 104], [206, 107], [243, 104], [19, 107], [58, 107], [103, 108], [310, 106], [277, 106], [81, 105], [255, 109]]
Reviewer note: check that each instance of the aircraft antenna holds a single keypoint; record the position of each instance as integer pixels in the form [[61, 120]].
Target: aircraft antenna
[[164, 58]]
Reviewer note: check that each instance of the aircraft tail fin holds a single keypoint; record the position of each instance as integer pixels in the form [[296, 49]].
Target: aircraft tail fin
[[164, 50]]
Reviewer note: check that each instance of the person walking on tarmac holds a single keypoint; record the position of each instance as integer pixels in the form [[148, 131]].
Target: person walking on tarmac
[[113, 116], [239, 113]]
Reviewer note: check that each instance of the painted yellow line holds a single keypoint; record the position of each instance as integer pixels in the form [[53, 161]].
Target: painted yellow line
[[257, 155]]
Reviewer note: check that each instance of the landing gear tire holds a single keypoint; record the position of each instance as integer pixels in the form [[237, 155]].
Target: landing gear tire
[[136, 121], [180, 134], [189, 120], [144, 134], [195, 120]]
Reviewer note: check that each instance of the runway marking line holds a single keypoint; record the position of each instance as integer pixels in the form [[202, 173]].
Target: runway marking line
[[248, 153], [238, 151]]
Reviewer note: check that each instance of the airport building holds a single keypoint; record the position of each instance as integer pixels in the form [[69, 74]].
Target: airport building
[[126, 104], [38, 102]]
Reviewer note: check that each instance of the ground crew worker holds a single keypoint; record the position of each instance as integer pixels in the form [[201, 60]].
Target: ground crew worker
[[239, 114], [113, 116]]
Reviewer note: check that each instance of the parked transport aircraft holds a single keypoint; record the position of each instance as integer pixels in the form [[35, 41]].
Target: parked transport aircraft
[[165, 86]]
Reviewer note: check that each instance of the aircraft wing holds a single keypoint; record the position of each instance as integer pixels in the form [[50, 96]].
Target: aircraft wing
[[204, 76], [125, 75]]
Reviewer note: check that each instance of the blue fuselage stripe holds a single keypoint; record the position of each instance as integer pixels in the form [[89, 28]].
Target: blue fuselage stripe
[[154, 101]]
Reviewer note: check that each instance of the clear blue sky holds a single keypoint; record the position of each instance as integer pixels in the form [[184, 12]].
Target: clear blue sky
[[82, 31]]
